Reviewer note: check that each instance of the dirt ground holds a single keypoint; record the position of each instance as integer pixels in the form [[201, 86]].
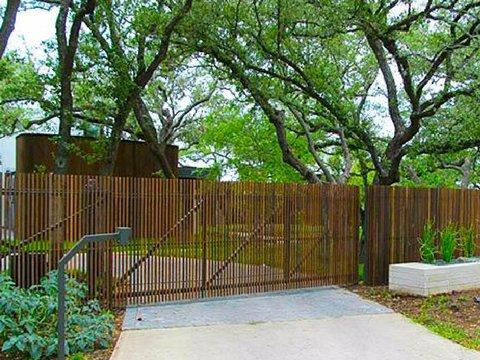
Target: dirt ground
[[455, 315]]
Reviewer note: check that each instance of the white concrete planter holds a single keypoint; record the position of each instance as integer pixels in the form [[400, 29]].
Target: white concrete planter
[[426, 279]]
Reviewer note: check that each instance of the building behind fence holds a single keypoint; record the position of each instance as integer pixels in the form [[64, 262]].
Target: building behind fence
[[36, 152]]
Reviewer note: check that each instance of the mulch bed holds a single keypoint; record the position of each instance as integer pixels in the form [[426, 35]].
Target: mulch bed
[[458, 309]]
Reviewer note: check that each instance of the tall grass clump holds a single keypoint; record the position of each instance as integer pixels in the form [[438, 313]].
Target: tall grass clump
[[428, 249], [467, 241], [448, 242]]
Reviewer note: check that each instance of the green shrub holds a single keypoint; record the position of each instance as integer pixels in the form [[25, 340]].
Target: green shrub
[[467, 241], [448, 242], [28, 319], [428, 250]]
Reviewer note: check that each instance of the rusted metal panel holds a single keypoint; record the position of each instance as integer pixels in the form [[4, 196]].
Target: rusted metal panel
[[35, 153]]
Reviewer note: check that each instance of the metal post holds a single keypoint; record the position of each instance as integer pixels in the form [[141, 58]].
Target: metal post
[[122, 235]]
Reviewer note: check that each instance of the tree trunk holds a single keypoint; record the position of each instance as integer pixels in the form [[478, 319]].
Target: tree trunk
[[125, 104], [67, 49], [113, 144], [8, 24], [65, 128], [466, 169], [158, 148]]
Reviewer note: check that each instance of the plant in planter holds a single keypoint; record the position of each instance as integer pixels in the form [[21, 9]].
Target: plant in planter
[[428, 249], [436, 276], [467, 241], [451, 238], [448, 242]]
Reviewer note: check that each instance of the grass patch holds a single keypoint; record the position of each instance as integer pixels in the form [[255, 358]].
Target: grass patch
[[454, 316], [449, 331]]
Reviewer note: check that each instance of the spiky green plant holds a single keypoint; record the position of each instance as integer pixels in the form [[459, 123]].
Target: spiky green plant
[[428, 249], [448, 242], [467, 241]]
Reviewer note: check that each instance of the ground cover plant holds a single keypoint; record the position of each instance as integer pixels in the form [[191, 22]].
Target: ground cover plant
[[28, 319]]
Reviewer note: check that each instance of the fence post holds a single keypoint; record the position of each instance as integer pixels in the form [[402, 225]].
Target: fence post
[[204, 241], [286, 232], [95, 263], [367, 266]]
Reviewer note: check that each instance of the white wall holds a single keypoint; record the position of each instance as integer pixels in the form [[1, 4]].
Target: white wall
[[7, 153]]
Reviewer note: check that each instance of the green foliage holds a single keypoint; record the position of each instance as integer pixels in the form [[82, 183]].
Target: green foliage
[[448, 242], [239, 142], [428, 317], [21, 88], [309, 60], [447, 330], [77, 356], [430, 173], [451, 238], [361, 272], [467, 241], [437, 156], [428, 249], [28, 319]]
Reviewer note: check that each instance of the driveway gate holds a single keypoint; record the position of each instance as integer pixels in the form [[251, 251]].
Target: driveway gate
[[191, 239]]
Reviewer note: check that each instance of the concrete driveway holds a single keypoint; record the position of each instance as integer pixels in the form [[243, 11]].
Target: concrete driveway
[[320, 323]]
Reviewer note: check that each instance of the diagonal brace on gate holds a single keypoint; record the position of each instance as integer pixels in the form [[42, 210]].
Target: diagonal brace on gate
[[305, 258], [242, 246], [54, 226], [151, 251]]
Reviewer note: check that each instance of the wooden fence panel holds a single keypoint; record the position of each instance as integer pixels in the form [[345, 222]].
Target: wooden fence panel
[[191, 239], [203, 239], [395, 218]]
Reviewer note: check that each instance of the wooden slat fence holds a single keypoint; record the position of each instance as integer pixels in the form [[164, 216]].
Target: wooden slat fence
[[395, 218], [191, 239]]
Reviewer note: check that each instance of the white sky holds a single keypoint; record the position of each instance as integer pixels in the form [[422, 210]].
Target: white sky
[[31, 29]]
